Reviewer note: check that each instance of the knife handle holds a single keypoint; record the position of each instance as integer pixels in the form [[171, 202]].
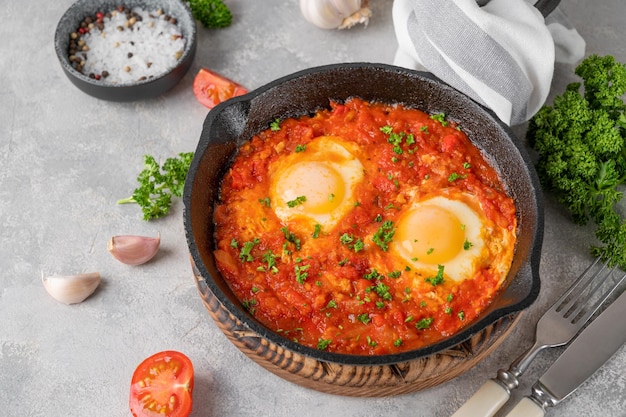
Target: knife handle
[[526, 408], [485, 402]]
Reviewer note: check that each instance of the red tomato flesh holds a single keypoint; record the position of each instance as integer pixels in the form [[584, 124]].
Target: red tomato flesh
[[162, 385], [210, 88]]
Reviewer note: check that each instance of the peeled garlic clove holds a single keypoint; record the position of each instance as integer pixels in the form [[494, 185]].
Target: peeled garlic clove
[[134, 250], [71, 289], [335, 14]]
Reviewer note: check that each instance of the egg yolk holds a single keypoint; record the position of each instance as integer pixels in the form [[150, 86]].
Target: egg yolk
[[430, 234], [321, 185]]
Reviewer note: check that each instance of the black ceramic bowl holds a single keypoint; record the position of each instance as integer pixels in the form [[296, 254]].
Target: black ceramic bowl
[[232, 123], [130, 91]]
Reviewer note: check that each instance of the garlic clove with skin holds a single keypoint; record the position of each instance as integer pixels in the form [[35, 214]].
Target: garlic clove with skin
[[335, 14], [134, 250], [71, 289]]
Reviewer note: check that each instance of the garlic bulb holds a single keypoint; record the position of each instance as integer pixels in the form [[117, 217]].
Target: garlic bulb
[[335, 14], [71, 289], [134, 250]]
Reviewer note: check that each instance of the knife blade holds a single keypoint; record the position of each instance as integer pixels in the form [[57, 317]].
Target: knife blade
[[591, 349]]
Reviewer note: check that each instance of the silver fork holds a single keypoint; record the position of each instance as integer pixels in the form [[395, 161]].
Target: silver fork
[[556, 327]]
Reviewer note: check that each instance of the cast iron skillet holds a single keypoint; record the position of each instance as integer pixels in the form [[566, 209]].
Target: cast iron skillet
[[232, 123]]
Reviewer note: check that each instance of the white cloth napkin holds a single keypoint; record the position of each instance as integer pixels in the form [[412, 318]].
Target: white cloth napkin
[[502, 54]]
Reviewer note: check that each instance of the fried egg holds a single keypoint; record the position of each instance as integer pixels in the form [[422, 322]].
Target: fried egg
[[442, 230], [316, 184]]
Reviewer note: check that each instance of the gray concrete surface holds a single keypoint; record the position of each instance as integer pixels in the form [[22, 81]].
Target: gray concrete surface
[[65, 158]]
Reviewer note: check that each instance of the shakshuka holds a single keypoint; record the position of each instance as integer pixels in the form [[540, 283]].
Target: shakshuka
[[365, 228]]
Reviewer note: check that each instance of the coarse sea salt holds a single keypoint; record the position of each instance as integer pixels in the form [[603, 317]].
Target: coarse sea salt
[[129, 48]]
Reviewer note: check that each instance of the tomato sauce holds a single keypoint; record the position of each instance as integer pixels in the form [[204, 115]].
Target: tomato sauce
[[325, 294]]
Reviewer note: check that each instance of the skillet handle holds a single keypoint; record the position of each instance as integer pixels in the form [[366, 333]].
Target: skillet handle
[[546, 6], [485, 402]]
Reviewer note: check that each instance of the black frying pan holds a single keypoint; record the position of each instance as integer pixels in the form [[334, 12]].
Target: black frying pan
[[232, 123]]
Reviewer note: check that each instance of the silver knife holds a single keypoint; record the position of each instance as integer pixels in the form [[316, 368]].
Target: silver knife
[[585, 355]]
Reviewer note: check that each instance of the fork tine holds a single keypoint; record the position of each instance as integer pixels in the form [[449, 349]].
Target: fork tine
[[577, 304], [584, 317], [577, 287]]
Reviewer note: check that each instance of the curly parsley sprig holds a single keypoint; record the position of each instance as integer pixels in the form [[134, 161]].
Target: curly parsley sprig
[[581, 142], [158, 184], [213, 14]]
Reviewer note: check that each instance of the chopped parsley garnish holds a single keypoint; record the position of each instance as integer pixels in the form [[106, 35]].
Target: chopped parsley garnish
[[346, 239], [331, 197], [270, 259], [437, 279], [386, 129], [275, 125], [234, 244], [461, 315], [424, 323], [371, 342], [290, 237], [301, 273], [317, 231], [467, 244], [396, 139], [250, 305], [356, 245], [265, 201], [383, 291], [373, 274], [364, 318], [300, 148], [296, 202], [441, 118], [467, 165], [384, 234], [245, 255], [456, 176], [331, 304], [394, 274], [397, 342], [322, 344]]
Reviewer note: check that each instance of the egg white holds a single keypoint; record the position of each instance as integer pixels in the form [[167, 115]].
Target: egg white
[[316, 185]]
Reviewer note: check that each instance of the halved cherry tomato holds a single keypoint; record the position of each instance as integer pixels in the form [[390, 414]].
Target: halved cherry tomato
[[162, 385], [211, 88]]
